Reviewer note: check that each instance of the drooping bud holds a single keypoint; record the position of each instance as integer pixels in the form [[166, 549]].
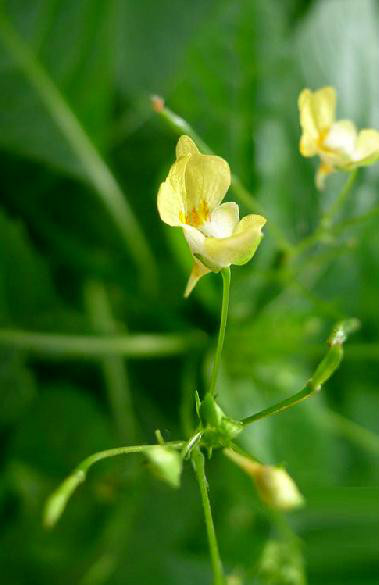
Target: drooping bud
[[166, 463], [277, 488], [56, 503], [274, 485]]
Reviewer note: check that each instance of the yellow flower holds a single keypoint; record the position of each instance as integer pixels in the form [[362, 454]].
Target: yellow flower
[[191, 197], [338, 143]]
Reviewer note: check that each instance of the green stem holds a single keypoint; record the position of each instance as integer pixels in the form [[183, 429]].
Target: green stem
[[322, 373], [89, 461], [198, 463], [325, 225], [138, 346], [280, 406], [354, 221], [225, 272], [56, 503], [96, 170], [329, 215], [181, 126], [187, 402]]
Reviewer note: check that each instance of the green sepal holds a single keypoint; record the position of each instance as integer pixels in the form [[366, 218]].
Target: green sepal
[[219, 429], [210, 412]]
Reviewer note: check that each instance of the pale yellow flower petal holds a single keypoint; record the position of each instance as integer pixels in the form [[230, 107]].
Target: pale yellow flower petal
[[238, 248], [195, 239], [185, 146], [317, 114], [367, 147], [171, 199], [324, 107], [223, 221], [340, 142], [308, 144], [198, 271], [207, 180]]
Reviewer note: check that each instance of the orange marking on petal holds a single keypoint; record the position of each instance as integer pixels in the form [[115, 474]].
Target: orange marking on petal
[[196, 216]]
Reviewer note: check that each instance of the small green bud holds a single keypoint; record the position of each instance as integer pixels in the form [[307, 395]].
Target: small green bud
[[210, 412], [342, 330], [56, 503], [219, 429], [166, 463], [327, 366]]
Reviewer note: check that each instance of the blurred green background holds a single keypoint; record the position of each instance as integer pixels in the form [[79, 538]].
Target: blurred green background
[[83, 253]]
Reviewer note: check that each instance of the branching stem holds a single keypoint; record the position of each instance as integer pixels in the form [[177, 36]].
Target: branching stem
[[325, 225]]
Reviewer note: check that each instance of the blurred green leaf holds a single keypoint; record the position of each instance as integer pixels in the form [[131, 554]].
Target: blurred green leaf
[[73, 40]]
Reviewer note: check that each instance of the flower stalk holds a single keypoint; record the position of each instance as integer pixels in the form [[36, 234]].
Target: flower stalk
[[323, 372], [226, 277], [57, 502], [198, 464]]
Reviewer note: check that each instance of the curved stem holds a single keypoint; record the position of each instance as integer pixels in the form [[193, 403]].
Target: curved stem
[[280, 406], [225, 273], [354, 221], [57, 502], [325, 369], [89, 461], [218, 572]]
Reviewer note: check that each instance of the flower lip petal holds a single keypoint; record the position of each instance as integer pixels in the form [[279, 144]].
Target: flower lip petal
[[367, 147], [195, 239], [240, 247], [223, 221], [341, 139]]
